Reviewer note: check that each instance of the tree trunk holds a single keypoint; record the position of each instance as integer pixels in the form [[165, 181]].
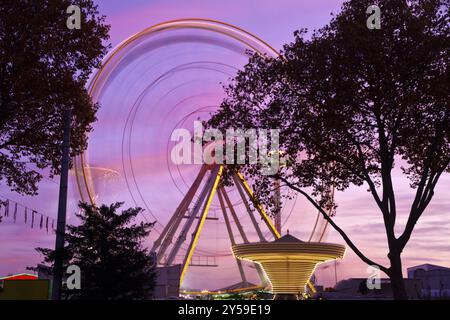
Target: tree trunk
[[396, 277]]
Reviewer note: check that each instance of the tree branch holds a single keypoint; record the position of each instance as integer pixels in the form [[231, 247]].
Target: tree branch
[[388, 207], [367, 178], [421, 205], [335, 226], [425, 190]]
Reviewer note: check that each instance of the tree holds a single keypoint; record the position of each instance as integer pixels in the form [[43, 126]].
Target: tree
[[351, 104], [108, 249], [44, 67]]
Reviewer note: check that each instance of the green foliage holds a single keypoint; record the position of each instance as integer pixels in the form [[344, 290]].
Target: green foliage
[[107, 247], [44, 67]]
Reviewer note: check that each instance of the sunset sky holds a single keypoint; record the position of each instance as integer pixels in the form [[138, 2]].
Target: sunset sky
[[272, 21]]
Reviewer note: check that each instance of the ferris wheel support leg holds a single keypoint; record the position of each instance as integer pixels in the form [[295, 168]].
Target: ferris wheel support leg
[[277, 198], [215, 178], [230, 232], [311, 287], [235, 217], [261, 273], [169, 231], [249, 210], [188, 224], [239, 178], [258, 268]]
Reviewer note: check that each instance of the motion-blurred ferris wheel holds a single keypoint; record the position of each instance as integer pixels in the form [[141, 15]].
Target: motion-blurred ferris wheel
[[156, 81]]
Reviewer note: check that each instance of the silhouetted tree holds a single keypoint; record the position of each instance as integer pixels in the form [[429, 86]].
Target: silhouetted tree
[[351, 104], [44, 67], [108, 248]]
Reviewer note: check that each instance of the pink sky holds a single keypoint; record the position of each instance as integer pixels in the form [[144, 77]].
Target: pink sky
[[274, 22]]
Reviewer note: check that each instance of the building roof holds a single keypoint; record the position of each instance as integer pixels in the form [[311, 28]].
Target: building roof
[[428, 267], [239, 285], [288, 239], [20, 276]]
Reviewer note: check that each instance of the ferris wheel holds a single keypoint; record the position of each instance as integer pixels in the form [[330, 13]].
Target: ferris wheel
[[160, 79]]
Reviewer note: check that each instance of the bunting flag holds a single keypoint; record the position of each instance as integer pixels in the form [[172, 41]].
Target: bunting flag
[[32, 219], [14, 212], [3, 204], [7, 208]]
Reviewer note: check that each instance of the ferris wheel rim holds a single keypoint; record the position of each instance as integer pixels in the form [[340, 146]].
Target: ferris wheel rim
[[182, 23], [81, 163]]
